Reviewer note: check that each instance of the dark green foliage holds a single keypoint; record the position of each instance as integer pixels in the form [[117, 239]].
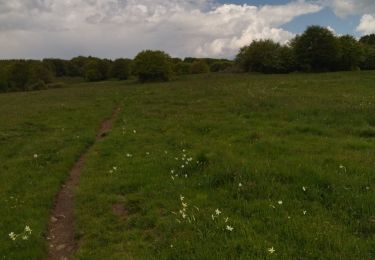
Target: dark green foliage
[[39, 73], [266, 56], [199, 67], [120, 69], [182, 68], [92, 71], [220, 66], [368, 63], [18, 75], [153, 66], [57, 66], [368, 39], [317, 49], [351, 53]]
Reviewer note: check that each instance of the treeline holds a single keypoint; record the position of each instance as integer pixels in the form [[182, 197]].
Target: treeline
[[21, 75], [316, 50]]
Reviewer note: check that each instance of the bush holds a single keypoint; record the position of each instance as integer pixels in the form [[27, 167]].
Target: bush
[[199, 67], [39, 73], [266, 56], [317, 49], [18, 75], [351, 53], [153, 66], [368, 63], [120, 69], [220, 66], [182, 68]]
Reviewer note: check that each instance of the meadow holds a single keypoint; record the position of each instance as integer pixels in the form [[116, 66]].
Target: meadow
[[215, 166]]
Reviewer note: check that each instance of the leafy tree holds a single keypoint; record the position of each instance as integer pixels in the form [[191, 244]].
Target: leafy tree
[[92, 71], [18, 75], [38, 72], [153, 66], [219, 66], [57, 66], [368, 62], [266, 56], [120, 69], [199, 67], [182, 68], [351, 53], [317, 49], [368, 39]]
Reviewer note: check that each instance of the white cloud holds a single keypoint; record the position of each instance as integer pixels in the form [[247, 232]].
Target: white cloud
[[351, 7], [367, 24], [114, 28]]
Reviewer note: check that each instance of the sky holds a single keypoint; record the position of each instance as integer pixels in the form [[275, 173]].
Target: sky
[[36, 29]]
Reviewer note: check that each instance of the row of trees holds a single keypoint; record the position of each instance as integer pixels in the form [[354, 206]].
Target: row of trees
[[16, 75], [316, 50]]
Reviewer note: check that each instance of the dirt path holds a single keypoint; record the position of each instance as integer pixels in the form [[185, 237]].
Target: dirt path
[[61, 236]]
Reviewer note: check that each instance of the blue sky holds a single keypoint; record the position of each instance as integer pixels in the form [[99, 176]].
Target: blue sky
[[201, 28]]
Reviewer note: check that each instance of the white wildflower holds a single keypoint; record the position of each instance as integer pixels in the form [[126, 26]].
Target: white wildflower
[[229, 228], [271, 250], [218, 212], [35, 156], [280, 202]]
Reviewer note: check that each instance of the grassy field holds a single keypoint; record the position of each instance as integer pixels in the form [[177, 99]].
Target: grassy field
[[206, 167]]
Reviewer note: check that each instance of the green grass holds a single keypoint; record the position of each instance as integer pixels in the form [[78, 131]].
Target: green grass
[[305, 140]]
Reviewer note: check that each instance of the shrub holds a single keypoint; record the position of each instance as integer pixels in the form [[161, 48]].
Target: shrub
[[182, 68], [39, 73], [220, 66], [153, 66], [266, 56], [351, 53], [120, 69], [317, 49], [199, 67], [18, 75], [368, 62]]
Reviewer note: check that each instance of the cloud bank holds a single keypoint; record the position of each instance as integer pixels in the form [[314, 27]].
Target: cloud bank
[[121, 28]]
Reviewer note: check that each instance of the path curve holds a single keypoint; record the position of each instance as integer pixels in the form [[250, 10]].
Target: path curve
[[62, 243]]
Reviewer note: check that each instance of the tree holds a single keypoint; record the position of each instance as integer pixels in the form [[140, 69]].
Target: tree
[[153, 66], [266, 56], [182, 68], [199, 67], [368, 62], [351, 53], [120, 69], [92, 71], [219, 66], [368, 39], [317, 50], [18, 75]]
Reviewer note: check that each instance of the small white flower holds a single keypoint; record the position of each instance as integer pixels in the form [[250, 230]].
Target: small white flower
[[183, 215], [218, 212], [304, 188], [304, 212], [12, 236], [213, 217], [271, 250], [171, 246], [184, 205], [114, 168], [129, 155], [226, 220], [28, 229], [166, 152], [134, 131], [184, 150], [186, 176], [35, 156], [172, 177], [182, 198], [280, 202], [182, 166], [240, 185], [229, 228], [172, 171], [25, 237], [147, 153]]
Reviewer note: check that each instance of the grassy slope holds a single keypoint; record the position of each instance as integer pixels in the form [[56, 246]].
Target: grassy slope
[[57, 125], [273, 134]]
